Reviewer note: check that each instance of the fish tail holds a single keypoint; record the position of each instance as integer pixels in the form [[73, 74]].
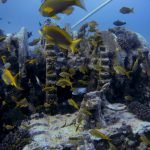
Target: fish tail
[[40, 32], [18, 87], [16, 76], [74, 44], [128, 74], [15, 81], [132, 10], [80, 3], [56, 17]]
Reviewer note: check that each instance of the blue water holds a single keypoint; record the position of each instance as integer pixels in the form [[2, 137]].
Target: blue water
[[25, 13]]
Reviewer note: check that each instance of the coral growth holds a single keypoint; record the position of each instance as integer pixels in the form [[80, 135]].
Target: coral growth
[[140, 110], [126, 39], [15, 140]]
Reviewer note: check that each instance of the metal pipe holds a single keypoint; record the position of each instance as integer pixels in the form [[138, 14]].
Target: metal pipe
[[91, 13]]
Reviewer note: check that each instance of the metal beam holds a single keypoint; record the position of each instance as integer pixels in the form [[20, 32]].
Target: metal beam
[[91, 13]]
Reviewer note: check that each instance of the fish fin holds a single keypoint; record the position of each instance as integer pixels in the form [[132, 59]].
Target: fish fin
[[80, 3], [68, 11], [40, 32], [56, 17], [3, 59], [38, 81], [128, 74], [16, 85], [48, 9], [50, 43], [8, 47], [73, 45], [5, 80], [16, 76]]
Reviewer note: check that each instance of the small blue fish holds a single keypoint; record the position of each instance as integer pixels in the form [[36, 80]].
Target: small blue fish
[[79, 91]]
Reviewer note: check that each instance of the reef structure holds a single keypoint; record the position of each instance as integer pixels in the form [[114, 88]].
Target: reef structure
[[51, 76], [98, 108], [60, 131], [108, 99]]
